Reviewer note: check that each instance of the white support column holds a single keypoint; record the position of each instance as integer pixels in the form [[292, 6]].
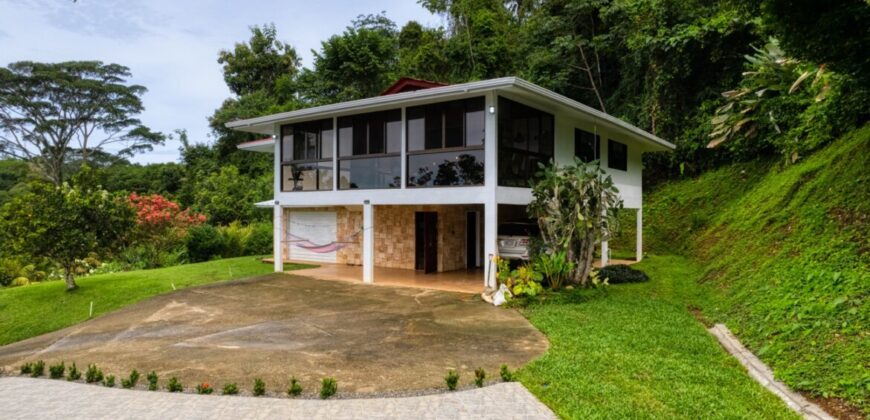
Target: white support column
[[278, 242], [278, 211], [490, 206], [368, 251], [490, 242], [639, 247], [605, 254], [336, 171], [404, 151]]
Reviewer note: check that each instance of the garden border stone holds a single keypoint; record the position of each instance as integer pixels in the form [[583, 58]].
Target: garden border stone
[[764, 375]]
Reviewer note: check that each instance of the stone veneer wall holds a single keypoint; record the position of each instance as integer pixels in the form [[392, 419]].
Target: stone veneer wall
[[395, 234]]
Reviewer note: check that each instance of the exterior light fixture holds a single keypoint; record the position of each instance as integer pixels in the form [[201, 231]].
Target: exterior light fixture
[[491, 109]]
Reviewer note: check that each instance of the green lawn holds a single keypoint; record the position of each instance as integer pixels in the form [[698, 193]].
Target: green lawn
[[785, 250], [37, 309], [635, 351]]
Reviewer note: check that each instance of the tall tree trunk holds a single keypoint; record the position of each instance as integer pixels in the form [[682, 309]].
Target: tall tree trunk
[[588, 69], [69, 278]]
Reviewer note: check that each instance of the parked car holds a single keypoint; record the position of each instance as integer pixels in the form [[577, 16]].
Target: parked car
[[513, 239]]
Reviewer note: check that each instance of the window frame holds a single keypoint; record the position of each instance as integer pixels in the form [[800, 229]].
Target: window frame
[[385, 117], [610, 164], [507, 147], [318, 151], [468, 105], [596, 138]]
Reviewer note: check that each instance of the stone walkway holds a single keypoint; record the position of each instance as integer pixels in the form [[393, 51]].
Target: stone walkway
[[25, 398]]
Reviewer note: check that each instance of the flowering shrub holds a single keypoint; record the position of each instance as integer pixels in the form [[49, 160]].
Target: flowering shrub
[[157, 213], [161, 226]]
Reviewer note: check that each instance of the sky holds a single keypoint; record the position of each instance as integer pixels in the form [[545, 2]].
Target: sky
[[171, 46]]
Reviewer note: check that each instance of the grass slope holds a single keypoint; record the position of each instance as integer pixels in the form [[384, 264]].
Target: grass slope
[[40, 308], [786, 257], [635, 351]]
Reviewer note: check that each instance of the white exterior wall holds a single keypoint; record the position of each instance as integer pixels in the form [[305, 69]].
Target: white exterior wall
[[490, 194], [628, 182]]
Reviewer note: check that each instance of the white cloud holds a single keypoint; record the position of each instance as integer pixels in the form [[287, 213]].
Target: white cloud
[[171, 46]]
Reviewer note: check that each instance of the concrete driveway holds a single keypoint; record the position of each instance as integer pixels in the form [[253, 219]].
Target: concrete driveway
[[372, 339]]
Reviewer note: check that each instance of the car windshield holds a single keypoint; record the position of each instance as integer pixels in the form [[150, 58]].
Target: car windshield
[[518, 229]]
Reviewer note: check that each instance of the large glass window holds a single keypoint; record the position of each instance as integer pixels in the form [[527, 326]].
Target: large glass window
[[306, 155], [369, 147], [587, 146], [445, 143], [525, 138], [446, 168], [617, 155]]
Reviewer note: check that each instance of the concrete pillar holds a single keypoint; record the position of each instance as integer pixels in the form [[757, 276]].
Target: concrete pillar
[[605, 254], [336, 171], [639, 247], [490, 242], [278, 240], [368, 251], [404, 150], [490, 203]]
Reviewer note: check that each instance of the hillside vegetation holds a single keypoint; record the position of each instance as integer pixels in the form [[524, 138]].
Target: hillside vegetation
[[786, 258]]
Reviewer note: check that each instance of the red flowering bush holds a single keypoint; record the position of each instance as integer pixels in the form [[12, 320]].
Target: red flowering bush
[[156, 212], [161, 225]]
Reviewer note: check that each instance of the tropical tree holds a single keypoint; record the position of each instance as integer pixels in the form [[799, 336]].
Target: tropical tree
[[54, 113], [832, 33], [359, 63], [226, 196], [262, 74], [262, 63], [482, 38], [785, 105], [576, 207], [65, 223]]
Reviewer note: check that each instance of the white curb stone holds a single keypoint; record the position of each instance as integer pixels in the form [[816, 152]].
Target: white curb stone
[[763, 375]]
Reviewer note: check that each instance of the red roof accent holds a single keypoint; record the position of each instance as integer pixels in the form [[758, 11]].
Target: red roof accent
[[407, 84]]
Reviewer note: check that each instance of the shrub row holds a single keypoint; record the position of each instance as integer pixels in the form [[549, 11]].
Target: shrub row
[[328, 386]]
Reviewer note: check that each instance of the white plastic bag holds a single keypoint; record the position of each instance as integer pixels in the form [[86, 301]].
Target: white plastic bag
[[499, 298]]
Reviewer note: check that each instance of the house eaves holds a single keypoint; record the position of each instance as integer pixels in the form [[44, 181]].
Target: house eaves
[[266, 124]]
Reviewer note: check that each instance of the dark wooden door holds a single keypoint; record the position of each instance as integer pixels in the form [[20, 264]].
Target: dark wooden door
[[471, 240], [426, 241]]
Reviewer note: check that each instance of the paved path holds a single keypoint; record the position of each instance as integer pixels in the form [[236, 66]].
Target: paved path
[[25, 398]]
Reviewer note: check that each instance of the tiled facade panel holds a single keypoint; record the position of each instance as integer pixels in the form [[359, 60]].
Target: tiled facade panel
[[395, 235]]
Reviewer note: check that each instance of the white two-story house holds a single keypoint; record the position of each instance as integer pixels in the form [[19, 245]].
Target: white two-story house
[[421, 177]]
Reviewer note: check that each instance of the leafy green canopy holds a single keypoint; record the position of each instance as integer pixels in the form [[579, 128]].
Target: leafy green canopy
[[54, 113], [832, 32], [359, 63], [262, 63], [786, 106], [65, 223]]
